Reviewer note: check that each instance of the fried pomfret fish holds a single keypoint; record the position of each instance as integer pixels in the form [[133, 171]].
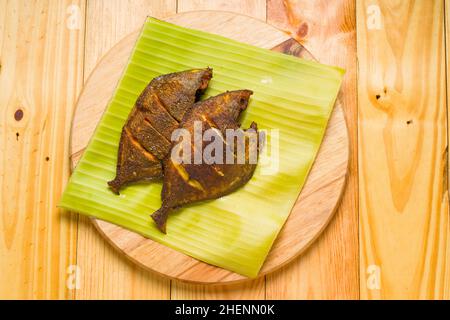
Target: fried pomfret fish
[[187, 182], [146, 136]]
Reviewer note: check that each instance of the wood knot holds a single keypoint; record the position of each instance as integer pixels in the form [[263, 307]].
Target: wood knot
[[18, 115], [302, 31]]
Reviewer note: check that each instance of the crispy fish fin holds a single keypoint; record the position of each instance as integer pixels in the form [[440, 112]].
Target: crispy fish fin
[[115, 185], [160, 217]]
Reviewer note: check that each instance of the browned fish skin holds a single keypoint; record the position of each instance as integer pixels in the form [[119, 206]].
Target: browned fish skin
[[146, 135], [176, 91], [189, 183], [134, 162]]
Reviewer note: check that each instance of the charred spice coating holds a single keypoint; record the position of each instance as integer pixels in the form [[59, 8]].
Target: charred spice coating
[[186, 183], [145, 138]]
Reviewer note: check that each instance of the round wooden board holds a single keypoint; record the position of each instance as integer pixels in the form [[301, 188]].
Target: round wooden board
[[316, 203]]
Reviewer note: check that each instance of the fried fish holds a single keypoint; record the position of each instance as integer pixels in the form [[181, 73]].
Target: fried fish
[[146, 136], [186, 182]]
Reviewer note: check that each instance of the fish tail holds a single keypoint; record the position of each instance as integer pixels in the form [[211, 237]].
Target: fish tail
[[115, 185], [160, 217]]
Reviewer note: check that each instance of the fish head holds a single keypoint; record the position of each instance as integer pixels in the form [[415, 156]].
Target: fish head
[[232, 103]]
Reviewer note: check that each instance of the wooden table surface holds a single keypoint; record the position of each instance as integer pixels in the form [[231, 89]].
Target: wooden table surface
[[389, 239]]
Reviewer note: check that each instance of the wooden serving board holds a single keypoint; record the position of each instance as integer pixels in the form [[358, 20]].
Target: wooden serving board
[[317, 201]]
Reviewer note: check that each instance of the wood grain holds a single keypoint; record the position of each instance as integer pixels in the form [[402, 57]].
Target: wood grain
[[316, 203], [446, 262], [404, 217], [447, 60], [105, 273], [40, 79], [41, 73], [329, 269]]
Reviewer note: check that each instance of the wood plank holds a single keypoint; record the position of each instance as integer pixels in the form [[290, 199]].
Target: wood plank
[[249, 290], [41, 50], [329, 269], [107, 274], [404, 218], [447, 52]]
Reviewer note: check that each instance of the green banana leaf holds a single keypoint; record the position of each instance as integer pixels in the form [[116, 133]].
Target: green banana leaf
[[235, 232]]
